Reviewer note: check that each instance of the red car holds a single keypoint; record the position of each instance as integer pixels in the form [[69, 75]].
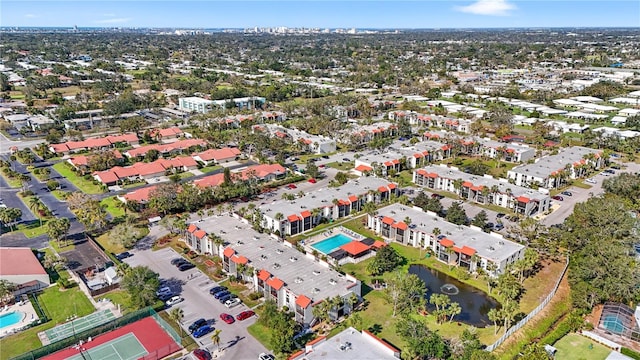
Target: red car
[[227, 318], [558, 197], [292, 186], [201, 354], [245, 315], [312, 180]]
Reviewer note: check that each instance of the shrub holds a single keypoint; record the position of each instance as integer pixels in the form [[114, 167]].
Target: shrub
[[255, 295], [630, 353]]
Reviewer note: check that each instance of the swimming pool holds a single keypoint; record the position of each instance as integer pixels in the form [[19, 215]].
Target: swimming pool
[[11, 318], [613, 324], [328, 245]]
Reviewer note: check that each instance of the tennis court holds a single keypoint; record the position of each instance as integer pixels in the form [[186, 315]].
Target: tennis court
[[78, 325], [126, 347]]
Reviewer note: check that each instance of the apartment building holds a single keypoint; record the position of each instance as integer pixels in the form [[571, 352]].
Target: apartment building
[[276, 269], [467, 247], [483, 189], [290, 217], [553, 170]]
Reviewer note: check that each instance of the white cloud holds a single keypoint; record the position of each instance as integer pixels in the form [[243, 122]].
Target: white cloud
[[488, 7], [31, 16], [113, 21]]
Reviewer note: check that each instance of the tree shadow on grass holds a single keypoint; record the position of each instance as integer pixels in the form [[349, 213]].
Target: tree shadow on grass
[[375, 329]]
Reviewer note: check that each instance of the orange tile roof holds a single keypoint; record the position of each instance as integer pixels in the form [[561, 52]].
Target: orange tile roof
[[353, 198], [468, 250], [263, 275], [200, 234], [140, 195], [275, 283], [523, 199], [211, 180], [363, 168], [218, 154], [391, 186], [293, 218], [228, 252], [306, 214], [239, 259], [378, 244], [467, 184], [401, 225], [19, 261], [355, 247], [387, 220], [192, 228], [303, 301], [446, 242], [383, 189], [316, 340]]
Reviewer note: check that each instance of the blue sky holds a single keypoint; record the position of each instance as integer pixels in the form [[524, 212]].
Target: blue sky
[[305, 13]]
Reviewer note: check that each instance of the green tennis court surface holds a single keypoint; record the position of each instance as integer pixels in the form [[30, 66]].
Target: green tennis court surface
[[78, 325], [126, 347]]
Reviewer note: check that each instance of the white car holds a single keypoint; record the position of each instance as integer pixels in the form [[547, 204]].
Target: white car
[[265, 356], [591, 181], [232, 302], [174, 300]]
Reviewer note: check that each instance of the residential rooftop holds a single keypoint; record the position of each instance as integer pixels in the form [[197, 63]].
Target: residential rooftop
[[547, 165], [300, 273], [491, 246]]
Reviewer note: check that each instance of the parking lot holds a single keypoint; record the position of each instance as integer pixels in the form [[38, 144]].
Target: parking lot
[[194, 287]]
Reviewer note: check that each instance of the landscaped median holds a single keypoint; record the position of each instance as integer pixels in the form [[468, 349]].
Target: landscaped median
[[86, 186]]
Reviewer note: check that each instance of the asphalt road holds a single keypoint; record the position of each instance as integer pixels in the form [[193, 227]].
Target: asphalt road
[[194, 287], [7, 144]]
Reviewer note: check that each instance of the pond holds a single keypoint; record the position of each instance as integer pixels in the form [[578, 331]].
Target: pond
[[475, 303]]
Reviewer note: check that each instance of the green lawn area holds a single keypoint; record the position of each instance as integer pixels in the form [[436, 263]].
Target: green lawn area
[[29, 230], [578, 347], [62, 246], [185, 175], [103, 240], [341, 165], [112, 206], [14, 183], [86, 186], [208, 169], [119, 297], [261, 333], [60, 194], [237, 289], [59, 305]]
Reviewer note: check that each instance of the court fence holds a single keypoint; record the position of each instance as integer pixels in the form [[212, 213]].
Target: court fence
[[162, 352], [93, 332]]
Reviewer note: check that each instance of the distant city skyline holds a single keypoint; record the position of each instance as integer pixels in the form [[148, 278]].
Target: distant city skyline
[[426, 14]]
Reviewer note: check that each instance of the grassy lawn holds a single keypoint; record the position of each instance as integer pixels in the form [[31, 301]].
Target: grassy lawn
[[341, 165], [60, 194], [86, 186], [112, 206], [185, 175], [33, 229], [576, 347], [187, 341], [62, 247], [14, 183], [581, 184], [208, 169], [103, 240], [261, 333], [119, 297], [238, 289]]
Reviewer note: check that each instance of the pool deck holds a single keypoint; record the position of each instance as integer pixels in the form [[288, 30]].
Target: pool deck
[[329, 233], [29, 315]]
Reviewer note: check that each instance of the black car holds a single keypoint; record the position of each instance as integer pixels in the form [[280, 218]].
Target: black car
[[181, 262], [124, 255], [325, 156], [175, 261], [346, 159], [185, 267], [217, 289], [500, 215], [197, 324], [165, 297], [221, 294]]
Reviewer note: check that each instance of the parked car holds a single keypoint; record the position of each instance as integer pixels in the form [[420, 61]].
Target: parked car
[[591, 181], [201, 354], [609, 171], [500, 215], [245, 315], [346, 159], [175, 261], [292, 186], [265, 356], [174, 300], [437, 196], [227, 318], [217, 289], [558, 197], [232, 302], [227, 297], [165, 297], [185, 267], [220, 294], [312, 180], [202, 331], [498, 227], [180, 262], [325, 156], [616, 166], [197, 324], [567, 193], [124, 255], [164, 290]]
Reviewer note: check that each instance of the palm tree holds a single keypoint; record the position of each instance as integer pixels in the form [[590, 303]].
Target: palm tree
[[215, 337], [457, 186], [453, 310], [6, 289], [35, 206], [177, 314]]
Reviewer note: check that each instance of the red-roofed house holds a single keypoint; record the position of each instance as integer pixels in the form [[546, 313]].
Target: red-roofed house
[[20, 266], [166, 149], [93, 143], [167, 134], [217, 156], [140, 196], [145, 171], [356, 249], [211, 180]]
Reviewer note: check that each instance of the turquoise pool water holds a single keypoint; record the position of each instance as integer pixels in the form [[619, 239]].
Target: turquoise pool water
[[330, 244], [10, 319], [613, 324]]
